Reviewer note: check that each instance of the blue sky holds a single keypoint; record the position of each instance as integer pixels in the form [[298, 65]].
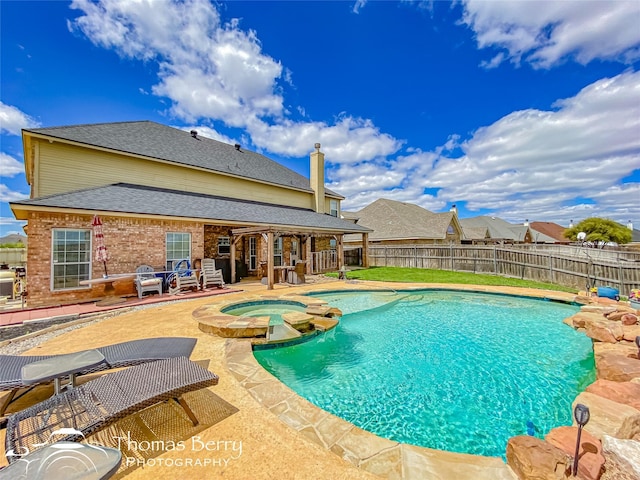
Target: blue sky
[[522, 110]]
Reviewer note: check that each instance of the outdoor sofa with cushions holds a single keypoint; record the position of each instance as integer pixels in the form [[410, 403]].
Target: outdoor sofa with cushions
[[118, 355], [103, 401]]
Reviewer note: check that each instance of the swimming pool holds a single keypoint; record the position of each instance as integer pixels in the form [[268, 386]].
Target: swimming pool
[[455, 371]]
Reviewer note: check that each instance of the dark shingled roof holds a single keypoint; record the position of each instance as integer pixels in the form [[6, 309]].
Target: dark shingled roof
[[154, 140], [138, 199]]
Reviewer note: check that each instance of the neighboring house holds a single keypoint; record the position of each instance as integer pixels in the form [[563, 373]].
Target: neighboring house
[[500, 231], [164, 195], [548, 232], [475, 235], [394, 223]]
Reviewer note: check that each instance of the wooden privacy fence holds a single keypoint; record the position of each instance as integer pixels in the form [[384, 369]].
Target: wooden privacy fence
[[568, 267]]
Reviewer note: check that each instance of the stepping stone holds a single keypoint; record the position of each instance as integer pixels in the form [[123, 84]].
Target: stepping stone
[[324, 324], [318, 310], [297, 319]]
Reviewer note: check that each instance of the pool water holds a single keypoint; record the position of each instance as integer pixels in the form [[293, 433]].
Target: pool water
[[455, 371], [274, 309]]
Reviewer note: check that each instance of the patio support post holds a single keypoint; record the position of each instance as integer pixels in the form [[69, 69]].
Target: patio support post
[[365, 250], [270, 260], [307, 248], [233, 259], [340, 251]]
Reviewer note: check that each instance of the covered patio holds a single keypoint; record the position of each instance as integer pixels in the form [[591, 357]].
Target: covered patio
[[316, 261]]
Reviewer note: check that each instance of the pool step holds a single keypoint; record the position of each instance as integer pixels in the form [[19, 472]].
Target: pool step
[[277, 333]]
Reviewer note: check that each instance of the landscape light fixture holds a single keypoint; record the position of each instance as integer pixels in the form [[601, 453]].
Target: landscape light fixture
[[581, 414], [638, 345]]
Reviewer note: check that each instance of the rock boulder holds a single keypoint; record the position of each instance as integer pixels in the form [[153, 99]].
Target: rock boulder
[[533, 459], [627, 393], [605, 331], [591, 460], [630, 332], [608, 417], [622, 459], [617, 367]]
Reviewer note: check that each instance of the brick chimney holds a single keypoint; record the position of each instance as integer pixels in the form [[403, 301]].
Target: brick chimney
[[316, 174]]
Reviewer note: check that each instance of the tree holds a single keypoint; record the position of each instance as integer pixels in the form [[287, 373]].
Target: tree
[[599, 231]]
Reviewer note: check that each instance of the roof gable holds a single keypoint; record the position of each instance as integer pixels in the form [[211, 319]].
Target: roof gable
[[498, 228], [550, 229], [393, 220]]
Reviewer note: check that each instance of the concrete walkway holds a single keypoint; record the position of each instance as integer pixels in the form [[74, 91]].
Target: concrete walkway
[[266, 445]]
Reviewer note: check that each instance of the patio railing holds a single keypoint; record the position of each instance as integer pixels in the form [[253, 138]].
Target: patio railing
[[324, 261]]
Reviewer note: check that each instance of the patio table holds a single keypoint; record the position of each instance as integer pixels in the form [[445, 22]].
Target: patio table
[[109, 289], [59, 367], [283, 269], [65, 461]]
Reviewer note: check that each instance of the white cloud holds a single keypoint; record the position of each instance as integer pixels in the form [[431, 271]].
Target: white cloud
[[545, 33], [358, 5], [12, 120], [349, 140], [7, 195], [534, 162], [9, 166], [529, 164], [212, 70], [207, 68]]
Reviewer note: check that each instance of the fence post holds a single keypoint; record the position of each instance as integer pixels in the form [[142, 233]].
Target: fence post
[[495, 261], [385, 256], [620, 276], [551, 268], [451, 254]]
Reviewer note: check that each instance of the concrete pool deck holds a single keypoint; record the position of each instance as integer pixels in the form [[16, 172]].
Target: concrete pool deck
[[281, 435]]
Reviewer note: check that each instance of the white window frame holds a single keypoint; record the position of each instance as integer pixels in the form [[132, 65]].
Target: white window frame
[[170, 259], [277, 252], [225, 243], [70, 281], [253, 253], [333, 208]]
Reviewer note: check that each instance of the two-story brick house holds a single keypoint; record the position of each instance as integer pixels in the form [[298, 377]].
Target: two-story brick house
[[163, 195]]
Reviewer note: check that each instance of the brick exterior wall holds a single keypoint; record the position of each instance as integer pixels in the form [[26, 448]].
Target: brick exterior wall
[[130, 242]]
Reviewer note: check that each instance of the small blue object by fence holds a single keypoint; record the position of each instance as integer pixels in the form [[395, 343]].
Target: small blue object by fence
[[609, 292]]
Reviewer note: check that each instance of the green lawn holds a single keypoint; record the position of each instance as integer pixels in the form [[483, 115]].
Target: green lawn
[[396, 274]]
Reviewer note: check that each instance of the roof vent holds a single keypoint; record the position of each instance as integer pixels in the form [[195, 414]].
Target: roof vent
[[194, 133], [237, 145]]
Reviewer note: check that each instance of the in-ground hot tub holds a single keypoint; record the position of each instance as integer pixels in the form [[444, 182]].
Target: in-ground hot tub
[[256, 317]]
